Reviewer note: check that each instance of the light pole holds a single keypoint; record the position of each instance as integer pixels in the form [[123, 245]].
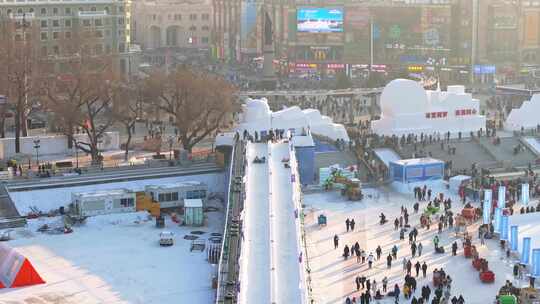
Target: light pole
[[76, 153], [171, 141], [37, 146]]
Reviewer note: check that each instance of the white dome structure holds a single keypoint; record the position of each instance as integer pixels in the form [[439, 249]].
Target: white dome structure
[[403, 96], [407, 108], [257, 116]]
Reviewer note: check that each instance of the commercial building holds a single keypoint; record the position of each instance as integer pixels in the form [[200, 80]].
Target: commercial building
[[163, 27], [451, 38], [106, 24]]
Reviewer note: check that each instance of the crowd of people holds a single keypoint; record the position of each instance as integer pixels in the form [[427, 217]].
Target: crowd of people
[[415, 266]]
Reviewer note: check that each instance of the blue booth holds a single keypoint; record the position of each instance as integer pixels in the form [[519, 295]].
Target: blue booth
[[416, 170]]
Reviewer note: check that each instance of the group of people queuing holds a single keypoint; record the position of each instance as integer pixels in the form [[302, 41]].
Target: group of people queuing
[[414, 268]]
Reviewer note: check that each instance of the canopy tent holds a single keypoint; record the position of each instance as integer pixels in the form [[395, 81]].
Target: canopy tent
[[416, 170], [16, 270]]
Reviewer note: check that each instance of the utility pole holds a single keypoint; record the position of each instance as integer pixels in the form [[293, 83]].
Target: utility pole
[[475, 4], [370, 45]]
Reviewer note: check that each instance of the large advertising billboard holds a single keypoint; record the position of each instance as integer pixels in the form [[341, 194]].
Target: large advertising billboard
[[319, 20]]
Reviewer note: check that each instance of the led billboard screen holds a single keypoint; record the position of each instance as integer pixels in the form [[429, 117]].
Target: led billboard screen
[[320, 20]]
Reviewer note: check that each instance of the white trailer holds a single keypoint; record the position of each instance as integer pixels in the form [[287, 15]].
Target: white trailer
[[103, 202], [173, 195]]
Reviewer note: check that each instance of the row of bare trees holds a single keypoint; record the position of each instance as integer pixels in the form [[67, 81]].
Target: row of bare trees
[[79, 85]]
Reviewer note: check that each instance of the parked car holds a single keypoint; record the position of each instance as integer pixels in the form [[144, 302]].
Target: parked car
[[166, 238]]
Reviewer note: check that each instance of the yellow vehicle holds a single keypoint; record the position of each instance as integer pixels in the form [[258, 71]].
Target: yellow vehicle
[[351, 186]]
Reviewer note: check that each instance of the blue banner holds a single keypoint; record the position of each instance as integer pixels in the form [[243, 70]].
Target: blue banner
[[535, 262], [501, 202], [514, 237], [526, 251], [486, 216], [504, 228], [525, 194], [484, 69], [497, 220]]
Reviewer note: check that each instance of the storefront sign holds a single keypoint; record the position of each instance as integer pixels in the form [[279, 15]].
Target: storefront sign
[[415, 68], [484, 69], [335, 66]]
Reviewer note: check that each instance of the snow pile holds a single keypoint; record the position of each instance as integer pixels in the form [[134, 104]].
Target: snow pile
[[526, 116], [257, 116]]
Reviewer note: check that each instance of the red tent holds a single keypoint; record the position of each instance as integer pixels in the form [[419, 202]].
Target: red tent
[[16, 270]]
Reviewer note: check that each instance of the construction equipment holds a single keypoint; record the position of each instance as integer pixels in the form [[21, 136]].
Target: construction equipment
[[145, 202], [351, 186]]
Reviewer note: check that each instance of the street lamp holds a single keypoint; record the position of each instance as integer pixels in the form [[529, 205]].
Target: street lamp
[[171, 141], [37, 146]]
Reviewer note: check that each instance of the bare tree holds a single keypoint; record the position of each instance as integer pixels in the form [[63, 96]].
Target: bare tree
[[20, 64], [127, 103], [199, 103], [81, 94]]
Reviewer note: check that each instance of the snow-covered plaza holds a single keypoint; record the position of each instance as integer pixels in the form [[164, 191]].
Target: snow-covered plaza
[[333, 278], [115, 259]]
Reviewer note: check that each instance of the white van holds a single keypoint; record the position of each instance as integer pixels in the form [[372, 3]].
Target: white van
[[166, 238]]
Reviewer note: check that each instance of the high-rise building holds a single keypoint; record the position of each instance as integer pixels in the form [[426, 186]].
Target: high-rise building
[[55, 21]]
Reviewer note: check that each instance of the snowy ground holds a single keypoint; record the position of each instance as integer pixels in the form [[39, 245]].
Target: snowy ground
[[333, 278], [113, 259]]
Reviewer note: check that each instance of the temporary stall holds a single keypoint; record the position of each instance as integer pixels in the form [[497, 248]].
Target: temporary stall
[[103, 202], [416, 170], [16, 270], [173, 195], [193, 212]]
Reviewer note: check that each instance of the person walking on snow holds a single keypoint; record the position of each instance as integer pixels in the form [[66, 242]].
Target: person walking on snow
[[347, 224], [436, 242], [454, 248], [346, 252], [419, 248], [404, 262], [352, 223], [384, 284], [370, 260], [394, 252], [424, 269], [336, 241], [417, 267], [378, 251], [389, 261]]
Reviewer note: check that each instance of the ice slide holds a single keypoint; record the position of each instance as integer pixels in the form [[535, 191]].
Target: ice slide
[[255, 274], [286, 276], [269, 264], [386, 155]]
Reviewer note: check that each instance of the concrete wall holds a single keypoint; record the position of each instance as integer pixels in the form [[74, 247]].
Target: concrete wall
[[53, 144]]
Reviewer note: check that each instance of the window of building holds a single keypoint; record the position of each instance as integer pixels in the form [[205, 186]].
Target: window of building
[[98, 22], [55, 10], [193, 28], [56, 50], [43, 23], [68, 11], [205, 16], [205, 28], [56, 35], [106, 9], [86, 22], [99, 34], [56, 23], [121, 47], [93, 9], [43, 11], [44, 36], [67, 35], [154, 17], [121, 21], [192, 16], [67, 23], [20, 11], [31, 10], [18, 37], [44, 51], [204, 39], [126, 202], [121, 9]]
